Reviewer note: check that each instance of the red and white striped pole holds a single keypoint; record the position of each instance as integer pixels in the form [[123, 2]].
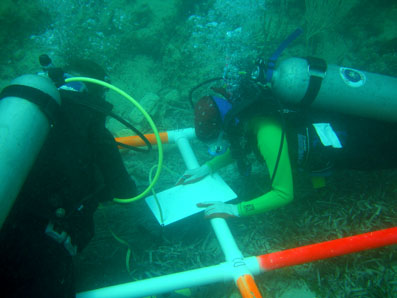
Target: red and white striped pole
[[327, 249]]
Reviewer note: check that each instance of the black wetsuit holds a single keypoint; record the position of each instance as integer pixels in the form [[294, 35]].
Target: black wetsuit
[[78, 166]]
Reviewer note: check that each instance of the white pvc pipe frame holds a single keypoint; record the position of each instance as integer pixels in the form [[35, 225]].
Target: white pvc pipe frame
[[234, 267]]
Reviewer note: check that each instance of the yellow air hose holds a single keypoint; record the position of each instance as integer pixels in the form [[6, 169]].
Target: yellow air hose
[[148, 118]]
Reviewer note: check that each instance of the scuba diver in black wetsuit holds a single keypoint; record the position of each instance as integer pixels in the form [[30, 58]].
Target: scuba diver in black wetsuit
[[78, 167]]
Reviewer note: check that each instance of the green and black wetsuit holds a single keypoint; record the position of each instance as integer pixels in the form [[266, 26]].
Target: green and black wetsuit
[[267, 132], [366, 145]]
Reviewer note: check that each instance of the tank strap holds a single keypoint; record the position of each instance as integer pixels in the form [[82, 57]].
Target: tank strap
[[317, 70], [44, 101]]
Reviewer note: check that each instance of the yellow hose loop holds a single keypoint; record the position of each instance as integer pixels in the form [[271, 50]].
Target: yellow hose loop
[[148, 118]]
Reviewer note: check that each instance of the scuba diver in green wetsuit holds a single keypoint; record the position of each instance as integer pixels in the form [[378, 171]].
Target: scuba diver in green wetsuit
[[267, 132], [251, 119]]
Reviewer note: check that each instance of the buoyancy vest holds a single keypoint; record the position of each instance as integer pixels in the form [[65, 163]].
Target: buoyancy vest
[[65, 184]]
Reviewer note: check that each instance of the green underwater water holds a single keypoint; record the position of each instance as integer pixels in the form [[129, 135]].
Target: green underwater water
[[157, 51]]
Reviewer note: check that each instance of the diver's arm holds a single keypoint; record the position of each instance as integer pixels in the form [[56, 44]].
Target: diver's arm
[[194, 175], [269, 134], [220, 161]]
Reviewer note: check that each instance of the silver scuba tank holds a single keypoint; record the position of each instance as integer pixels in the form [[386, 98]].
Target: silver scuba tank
[[312, 83], [28, 108]]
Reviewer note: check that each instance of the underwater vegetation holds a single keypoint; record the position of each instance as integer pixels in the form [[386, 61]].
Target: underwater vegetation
[[388, 47], [18, 20]]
